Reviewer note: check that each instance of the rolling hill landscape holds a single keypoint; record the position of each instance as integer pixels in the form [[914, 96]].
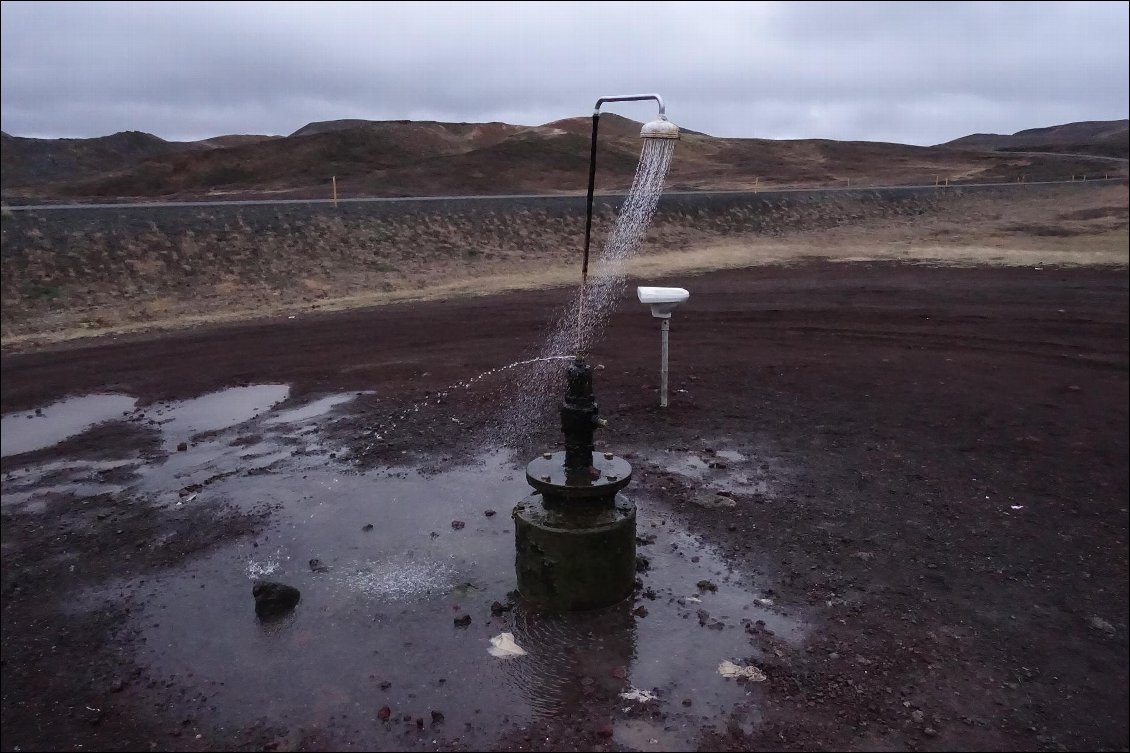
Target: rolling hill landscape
[[421, 158]]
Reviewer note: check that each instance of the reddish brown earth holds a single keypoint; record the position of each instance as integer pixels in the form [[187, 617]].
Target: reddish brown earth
[[955, 523]]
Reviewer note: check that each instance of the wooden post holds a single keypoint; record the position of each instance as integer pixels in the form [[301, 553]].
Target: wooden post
[[665, 326], [334, 181]]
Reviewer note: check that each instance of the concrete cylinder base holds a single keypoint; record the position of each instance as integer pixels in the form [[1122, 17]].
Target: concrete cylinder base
[[579, 557]]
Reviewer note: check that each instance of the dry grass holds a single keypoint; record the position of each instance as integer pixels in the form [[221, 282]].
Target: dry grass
[[1088, 229]]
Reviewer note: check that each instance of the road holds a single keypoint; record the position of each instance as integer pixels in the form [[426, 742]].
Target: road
[[526, 197]]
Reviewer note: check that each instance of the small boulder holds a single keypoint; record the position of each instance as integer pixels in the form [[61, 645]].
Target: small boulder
[[274, 599]]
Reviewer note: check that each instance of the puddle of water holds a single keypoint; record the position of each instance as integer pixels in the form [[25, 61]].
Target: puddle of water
[[724, 470], [314, 409], [183, 420], [26, 431], [383, 573], [380, 607]]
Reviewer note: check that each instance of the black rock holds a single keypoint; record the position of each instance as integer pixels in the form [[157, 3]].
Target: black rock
[[318, 566], [274, 599], [367, 527], [457, 524], [182, 446], [497, 608], [489, 513], [463, 620]]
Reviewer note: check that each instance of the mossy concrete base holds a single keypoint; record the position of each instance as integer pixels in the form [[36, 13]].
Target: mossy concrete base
[[576, 557]]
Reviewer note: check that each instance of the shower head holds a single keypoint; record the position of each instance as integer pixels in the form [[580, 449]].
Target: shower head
[[659, 129]]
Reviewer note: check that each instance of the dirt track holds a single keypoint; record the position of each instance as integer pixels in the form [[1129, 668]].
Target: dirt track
[[950, 516]]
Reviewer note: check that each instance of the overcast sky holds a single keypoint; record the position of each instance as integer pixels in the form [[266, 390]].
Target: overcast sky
[[917, 73]]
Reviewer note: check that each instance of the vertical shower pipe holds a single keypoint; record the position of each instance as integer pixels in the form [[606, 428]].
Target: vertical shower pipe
[[588, 204]]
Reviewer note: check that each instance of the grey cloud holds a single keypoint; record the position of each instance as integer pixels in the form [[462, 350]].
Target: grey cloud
[[914, 72]]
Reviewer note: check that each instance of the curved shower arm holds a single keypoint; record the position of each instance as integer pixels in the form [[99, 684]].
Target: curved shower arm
[[630, 98]]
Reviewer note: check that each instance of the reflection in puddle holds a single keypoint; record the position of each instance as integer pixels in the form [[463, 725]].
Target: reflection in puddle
[[183, 420], [384, 574], [33, 430], [311, 410]]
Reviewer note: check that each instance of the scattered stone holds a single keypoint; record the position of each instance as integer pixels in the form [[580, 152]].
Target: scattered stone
[[318, 566], [274, 599], [640, 611], [385, 684], [930, 732], [712, 500], [730, 670], [687, 701], [489, 513], [457, 524], [502, 646], [643, 564], [437, 717], [647, 538], [497, 608], [183, 446], [463, 620], [367, 527], [1098, 623], [635, 694], [383, 713], [705, 585], [419, 722], [917, 716]]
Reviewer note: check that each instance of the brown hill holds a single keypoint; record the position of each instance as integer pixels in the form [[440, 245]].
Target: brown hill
[[1101, 137], [33, 161], [407, 158]]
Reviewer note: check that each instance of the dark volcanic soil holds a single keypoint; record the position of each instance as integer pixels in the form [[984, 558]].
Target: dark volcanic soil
[[942, 504]]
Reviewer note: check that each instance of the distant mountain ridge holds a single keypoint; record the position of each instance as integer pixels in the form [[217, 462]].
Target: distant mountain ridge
[[427, 158], [1103, 137]]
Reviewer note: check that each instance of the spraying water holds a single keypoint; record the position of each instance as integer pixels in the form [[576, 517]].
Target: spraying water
[[380, 431], [600, 289], [582, 321]]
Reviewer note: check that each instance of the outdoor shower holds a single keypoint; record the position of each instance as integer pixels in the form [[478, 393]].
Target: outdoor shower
[[575, 539]]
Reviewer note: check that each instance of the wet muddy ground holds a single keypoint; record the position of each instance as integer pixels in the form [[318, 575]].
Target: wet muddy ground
[[895, 495]]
